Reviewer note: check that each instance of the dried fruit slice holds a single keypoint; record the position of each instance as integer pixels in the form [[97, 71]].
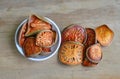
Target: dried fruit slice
[[45, 51], [22, 32], [104, 35], [46, 38], [91, 37], [74, 33], [71, 53], [93, 55], [30, 48], [35, 24]]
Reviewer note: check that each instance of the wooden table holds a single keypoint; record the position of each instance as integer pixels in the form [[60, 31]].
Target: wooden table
[[88, 13]]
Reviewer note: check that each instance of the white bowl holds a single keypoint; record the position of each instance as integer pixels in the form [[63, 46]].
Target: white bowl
[[54, 48]]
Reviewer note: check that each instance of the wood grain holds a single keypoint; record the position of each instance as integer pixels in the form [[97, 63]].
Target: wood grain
[[88, 13]]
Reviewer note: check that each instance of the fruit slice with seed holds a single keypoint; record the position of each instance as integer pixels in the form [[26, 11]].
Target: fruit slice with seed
[[46, 38], [71, 53]]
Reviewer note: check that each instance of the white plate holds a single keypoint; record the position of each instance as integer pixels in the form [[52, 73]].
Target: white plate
[[54, 48]]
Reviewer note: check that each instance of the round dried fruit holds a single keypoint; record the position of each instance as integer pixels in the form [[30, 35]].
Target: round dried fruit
[[74, 33], [35, 24], [104, 35], [46, 38], [93, 55], [22, 32], [71, 53], [30, 48]]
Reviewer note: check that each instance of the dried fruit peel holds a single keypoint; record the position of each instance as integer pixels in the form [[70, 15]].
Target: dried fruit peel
[[22, 32], [104, 35], [35, 24]]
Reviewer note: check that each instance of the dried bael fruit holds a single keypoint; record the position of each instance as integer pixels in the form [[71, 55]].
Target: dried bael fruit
[[46, 38], [104, 35], [91, 37], [35, 24], [71, 53], [93, 55], [45, 51], [30, 48], [21, 37], [74, 33]]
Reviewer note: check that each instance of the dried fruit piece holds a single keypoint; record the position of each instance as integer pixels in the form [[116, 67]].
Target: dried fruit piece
[[104, 35], [45, 38], [45, 51], [30, 48], [35, 24], [91, 37], [22, 32], [71, 53], [93, 55], [74, 33]]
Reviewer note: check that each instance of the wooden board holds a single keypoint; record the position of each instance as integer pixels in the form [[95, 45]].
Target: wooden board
[[88, 13]]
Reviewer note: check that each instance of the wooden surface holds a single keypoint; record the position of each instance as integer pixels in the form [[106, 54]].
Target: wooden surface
[[88, 13]]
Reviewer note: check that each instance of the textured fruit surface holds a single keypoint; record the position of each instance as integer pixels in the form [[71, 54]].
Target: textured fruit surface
[[94, 53], [71, 53], [45, 38], [74, 33], [104, 35], [35, 24], [91, 37], [30, 48]]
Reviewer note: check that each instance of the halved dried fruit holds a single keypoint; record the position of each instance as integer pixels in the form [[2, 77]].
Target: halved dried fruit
[[30, 48], [71, 53], [22, 32], [91, 37], [104, 35], [46, 38], [93, 55], [35, 24], [74, 33]]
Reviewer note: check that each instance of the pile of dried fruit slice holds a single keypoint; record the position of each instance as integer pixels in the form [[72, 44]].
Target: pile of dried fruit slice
[[83, 46], [36, 37]]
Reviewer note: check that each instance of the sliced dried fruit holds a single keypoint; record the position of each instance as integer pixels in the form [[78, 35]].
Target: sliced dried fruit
[[93, 55], [35, 24], [46, 38], [30, 48], [91, 37], [22, 32], [74, 33], [45, 51], [71, 53], [104, 35]]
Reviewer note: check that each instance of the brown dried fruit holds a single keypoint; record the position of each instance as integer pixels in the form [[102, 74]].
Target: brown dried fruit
[[91, 37], [74, 33], [35, 24], [71, 53], [30, 48], [104, 35], [22, 32], [93, 55], [46, 38]]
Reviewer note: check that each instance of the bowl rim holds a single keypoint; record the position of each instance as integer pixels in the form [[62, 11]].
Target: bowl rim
[[20, 50]]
